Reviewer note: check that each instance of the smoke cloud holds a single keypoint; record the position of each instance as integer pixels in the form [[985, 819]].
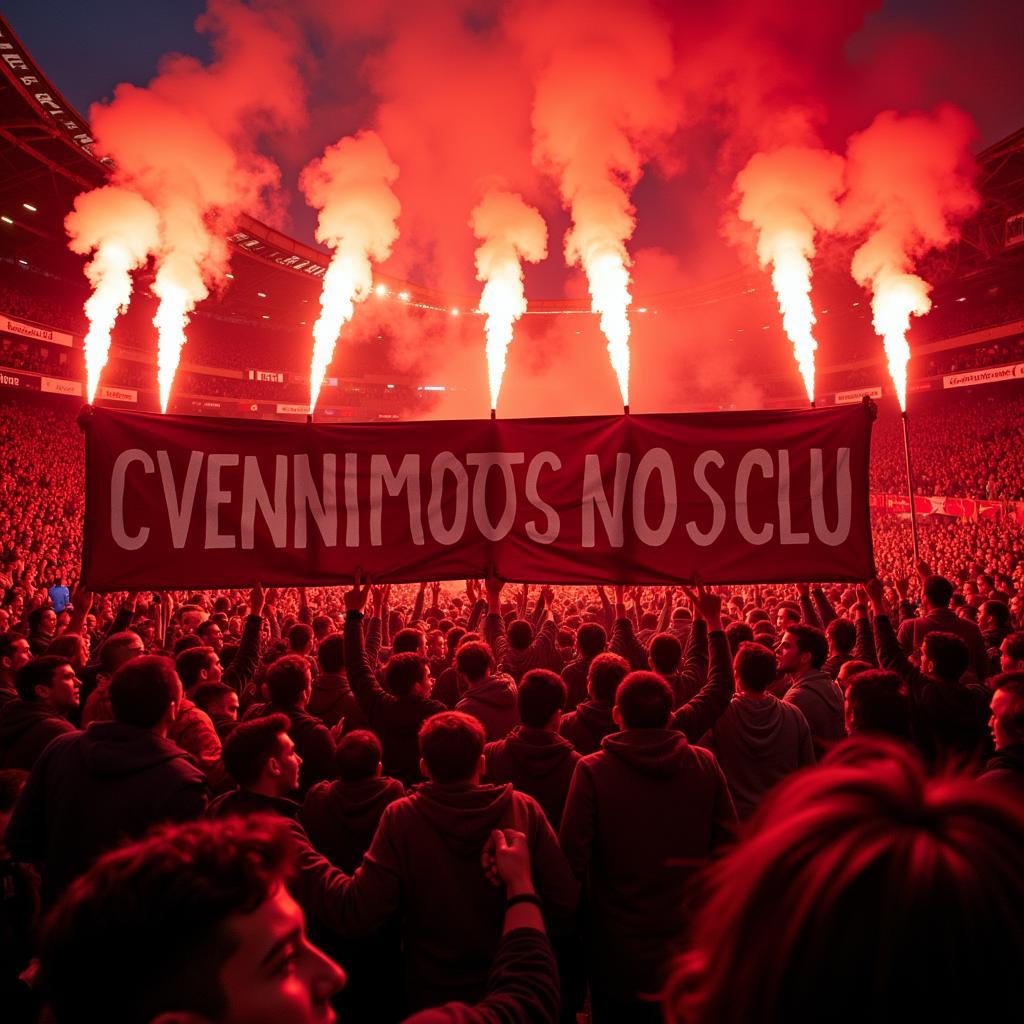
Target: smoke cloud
[[351, 187]]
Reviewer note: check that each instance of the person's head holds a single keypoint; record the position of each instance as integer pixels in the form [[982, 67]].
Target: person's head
[[259, 754], [852, 668], [787, 614], [452, 638], [198, 925], [216, 699], [191, 617], [738, 633], [197, 665], [1007, 704], [300, 638], [42, 620], [841, 635], [331, 653], [409, 640], [1011, 653], [14, 652], [541, 699], [875, 703], [407, 675], [605, 673], [666, 653], [802, 649], [944, 655], [145, 692], [322, 625], [937, 592], [48, 680], [520, 634], [74, 647], [591, 640], [210, 634], [452, 748], [994, 615], [358, 756], [643, 701], [900, 892], [754, 667], [186, 643], [474, 661], [119, 648], [288, 682]]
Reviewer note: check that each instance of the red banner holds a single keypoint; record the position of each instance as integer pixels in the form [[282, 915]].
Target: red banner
[[189, 503]]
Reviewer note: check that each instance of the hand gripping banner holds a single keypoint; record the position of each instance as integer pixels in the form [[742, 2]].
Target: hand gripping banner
[[189, 503]]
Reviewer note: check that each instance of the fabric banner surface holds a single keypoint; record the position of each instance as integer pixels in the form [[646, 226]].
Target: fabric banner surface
[[188, 503]]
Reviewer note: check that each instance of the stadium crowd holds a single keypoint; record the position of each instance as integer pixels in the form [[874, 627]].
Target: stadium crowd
[[474, 802]]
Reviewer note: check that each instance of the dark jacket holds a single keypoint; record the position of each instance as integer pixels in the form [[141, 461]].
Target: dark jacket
[[535, 761], [92, 790], [395, 720], [245, 801], [26, 727], [575, 676], [332, 700], [702, 710], [585, 727], [446, 688], [1007, 767], [643, 815], [818, 696], [424, 864], [944, 620], [542, 652], [493, 702], [759, 741], [341, 818]]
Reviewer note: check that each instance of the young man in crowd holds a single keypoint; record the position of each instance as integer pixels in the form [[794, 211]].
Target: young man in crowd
[[801, 656], [876, 705], [1011, 653], [520, 648], [221, 703], [643, 814], [760, 739], [591, 640], [1007, 725], [593, 719], [332, 699], [91, 790], [14, 652], [47, 697], [486, 695], [533, 756]]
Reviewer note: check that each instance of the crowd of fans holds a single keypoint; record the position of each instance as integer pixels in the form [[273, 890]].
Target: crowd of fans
[[474, 802]]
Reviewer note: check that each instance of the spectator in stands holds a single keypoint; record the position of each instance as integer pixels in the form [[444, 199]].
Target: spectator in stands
[[47, 697], [341, 817], [117, 650], [332, 700], [486, 695], [642, 814], [221, 703], [1007, 725], [841, 635], [1011, 653], [14, 652], [591, 640], [533, 756], [593, 719], [42, 627], [801, 655], [899, 898], [876, 704], [88, 791], [518, 650], [760, 739], [19, 910]]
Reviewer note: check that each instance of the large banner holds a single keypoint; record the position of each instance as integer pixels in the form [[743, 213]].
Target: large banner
[[179, 503]]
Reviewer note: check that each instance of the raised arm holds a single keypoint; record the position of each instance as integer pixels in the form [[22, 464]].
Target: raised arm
[[623, 639], [368, 692]]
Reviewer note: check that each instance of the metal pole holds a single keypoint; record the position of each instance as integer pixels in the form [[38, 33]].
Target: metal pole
[[625, 410], [494, 414], [910, 485]]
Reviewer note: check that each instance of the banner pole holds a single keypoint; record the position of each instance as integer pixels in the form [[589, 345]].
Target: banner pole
[[910, 485], [625, 410]]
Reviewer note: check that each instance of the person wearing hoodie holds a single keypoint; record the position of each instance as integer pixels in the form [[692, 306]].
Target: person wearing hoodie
[[47, 696], [591, 640], [332, 699], [341, 817], [487, 695], [533, 757], [424, 864], [760, 739], [91, 790], [592, 720], [1007, 725], [801, 655], [644, 814], [395, 714], [522, 646]]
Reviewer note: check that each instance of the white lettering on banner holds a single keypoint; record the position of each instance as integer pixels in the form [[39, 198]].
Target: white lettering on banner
[[292, 410], [10, 380], [118, 394], [991, 375], [537, 463], [307, 491], [57, 386], [19, 327], [407, 477], [856, 394], [117, 482]]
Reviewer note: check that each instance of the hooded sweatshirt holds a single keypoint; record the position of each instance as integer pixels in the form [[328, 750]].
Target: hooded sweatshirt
[[332, 700], [424, 863], [26, 728], [1007, 767], [493, 701], [585, 727], [758, 741], [340, 818], [643, 814], [90, 791], [535, 761], [820, 699]]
